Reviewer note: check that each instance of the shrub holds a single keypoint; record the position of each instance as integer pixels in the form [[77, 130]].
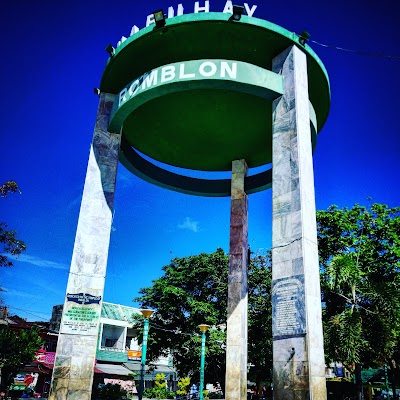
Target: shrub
[[154, 393], [111, 392], [183, 385], [159, 391]]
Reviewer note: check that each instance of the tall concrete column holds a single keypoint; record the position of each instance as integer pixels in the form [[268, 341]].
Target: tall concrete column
[[76, 349], [236, 341], [298, 354]]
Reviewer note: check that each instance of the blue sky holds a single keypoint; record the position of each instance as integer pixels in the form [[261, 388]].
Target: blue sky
[[53, 57]]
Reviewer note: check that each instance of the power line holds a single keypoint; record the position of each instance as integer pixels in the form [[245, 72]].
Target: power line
[[27, 312], [176, 331], [364, 53]]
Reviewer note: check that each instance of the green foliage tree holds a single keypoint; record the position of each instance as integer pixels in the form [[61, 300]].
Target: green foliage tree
[[160, 390], [160, 381], [160, 387], [359, 252], [343, 287], [9, 244], [17, 348], [110, 392], [8, 187], [193, 291], [260, 318], [183, 385]]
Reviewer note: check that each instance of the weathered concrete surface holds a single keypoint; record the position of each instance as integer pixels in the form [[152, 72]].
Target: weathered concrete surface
[[298, 355], [75, 357], [236, 342]]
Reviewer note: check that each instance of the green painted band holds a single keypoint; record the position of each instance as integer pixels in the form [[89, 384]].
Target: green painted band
[[192, 75], [151, 173]]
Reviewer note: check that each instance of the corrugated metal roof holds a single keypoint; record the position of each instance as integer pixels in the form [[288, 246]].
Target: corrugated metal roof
[[113, 369], [118, 312], [129, 312], [149, 373]]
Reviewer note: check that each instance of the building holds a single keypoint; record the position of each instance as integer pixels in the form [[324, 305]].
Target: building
[[118, 352], [35, 375]]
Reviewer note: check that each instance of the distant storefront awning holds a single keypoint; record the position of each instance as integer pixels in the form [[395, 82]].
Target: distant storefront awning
[[113, 369], [17, 386], [150, 374], [129, 386], [45, 368]]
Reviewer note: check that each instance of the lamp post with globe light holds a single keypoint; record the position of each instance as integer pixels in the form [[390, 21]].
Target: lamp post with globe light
[[146, 314], [203, 329]]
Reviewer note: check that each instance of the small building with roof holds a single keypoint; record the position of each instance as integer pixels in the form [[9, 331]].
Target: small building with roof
[[118, 352]]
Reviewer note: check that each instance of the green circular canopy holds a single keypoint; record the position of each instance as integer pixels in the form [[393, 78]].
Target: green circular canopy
[[197, 93]]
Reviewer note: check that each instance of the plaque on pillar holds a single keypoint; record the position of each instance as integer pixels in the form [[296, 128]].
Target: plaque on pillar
[[81, 313], [288, 309]]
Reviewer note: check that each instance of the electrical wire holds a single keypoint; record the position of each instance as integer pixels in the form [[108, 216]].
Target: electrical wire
[[364, 53], [27, 312], [176, 331]]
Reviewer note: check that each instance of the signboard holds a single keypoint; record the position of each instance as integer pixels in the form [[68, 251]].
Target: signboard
[[198, 7], [129, 386], [23, 380], [134, 355], [83, 298], [19, 379], [40, 355], [288, 308], [81, 314], [195, 74], [182, 71]]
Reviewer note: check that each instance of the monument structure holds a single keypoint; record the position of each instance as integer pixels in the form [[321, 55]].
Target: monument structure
[[210, 92]]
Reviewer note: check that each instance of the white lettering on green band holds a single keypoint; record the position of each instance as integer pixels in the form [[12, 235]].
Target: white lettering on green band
[[179, 72]]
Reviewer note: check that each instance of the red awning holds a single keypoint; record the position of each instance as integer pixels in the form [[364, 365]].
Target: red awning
[[51, 366]]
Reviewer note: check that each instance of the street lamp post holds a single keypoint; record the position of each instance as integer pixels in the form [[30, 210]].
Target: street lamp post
[[146, 314], [387, 382], [203, 329]]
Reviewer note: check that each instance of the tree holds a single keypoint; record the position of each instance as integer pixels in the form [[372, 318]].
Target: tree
[[183, 385], [8, 242], [193, 291], [260, 318], [110, 392], [343, 284], [359, 252], [17, 348], [160, 390]]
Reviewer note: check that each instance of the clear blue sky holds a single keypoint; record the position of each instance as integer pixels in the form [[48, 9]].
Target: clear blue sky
[[52, 58]]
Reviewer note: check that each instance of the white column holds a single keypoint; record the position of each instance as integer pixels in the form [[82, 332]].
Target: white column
[[76, 349], [298, 354], [236, 340]]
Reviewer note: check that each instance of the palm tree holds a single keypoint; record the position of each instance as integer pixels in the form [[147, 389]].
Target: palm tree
[[343, 291], [361, 315]]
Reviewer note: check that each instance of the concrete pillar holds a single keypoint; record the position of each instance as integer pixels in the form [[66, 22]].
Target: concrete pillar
[[236, 341], [298, 354], [76, 349]]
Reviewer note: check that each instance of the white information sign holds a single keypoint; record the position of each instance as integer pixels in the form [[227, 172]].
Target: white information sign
[[81, 314]]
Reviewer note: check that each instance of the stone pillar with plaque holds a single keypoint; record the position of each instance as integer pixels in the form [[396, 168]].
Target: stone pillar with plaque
[[76, 348], [298, 355]]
